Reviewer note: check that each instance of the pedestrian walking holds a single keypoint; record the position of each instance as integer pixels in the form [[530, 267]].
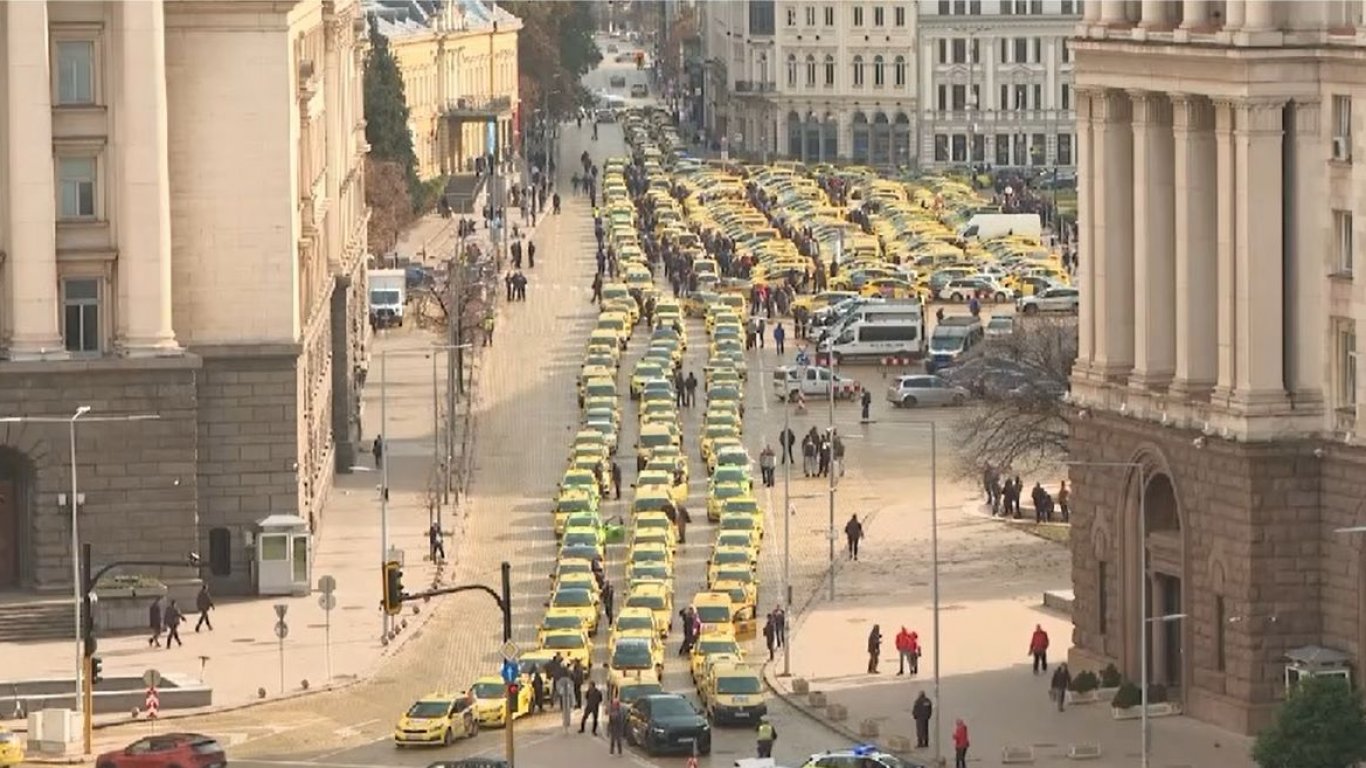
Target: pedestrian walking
[[592, 701], [577, 675], [616, 726], [867, 402], [787, 438], [780, 625], [1065, 502], [488, 330], [377, 450], [960, 744], [555, 201], [564, 699], [436, 542], [764, 736], [853, 534], [1062, 680], [874, 648], [904, 652], [203, 602], [537, 691], [767, 462], [779, 336], [691, 384], [921, 712], [1038, 649], [608, 593], [616, 479], [154, 622], [770, 635], [531, 255], [171, 619]]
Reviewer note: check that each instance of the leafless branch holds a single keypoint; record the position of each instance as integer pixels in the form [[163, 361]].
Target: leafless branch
[[1017, 420]]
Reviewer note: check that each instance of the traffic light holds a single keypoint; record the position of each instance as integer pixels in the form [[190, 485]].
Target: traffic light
[[393, 588], [96, 670]]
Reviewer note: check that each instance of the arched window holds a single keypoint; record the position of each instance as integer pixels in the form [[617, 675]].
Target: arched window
[[792, 70], [794, 135], [899, 71], [861, 135], [829, 71], [879, 72], [858, 71], [810, 71]]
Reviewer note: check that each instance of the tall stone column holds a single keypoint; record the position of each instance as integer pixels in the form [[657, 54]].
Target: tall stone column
[[1261, 16], [1194, 14], [1113, 258], [1114, 13], [1154, 14], [1154, 241], [1234, 12], [1259, 304], [32, 194], [1226, 191], [1090, 11], [1086, 335], [144, 232], [1196, 251]]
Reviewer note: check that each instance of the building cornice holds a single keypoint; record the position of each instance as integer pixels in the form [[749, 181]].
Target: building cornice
[[236, 7]]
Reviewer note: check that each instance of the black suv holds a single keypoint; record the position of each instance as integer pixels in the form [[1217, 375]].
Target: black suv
[[667, 722]]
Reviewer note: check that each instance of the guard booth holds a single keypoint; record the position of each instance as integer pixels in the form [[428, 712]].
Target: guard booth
[[1315, 661], [284, 549]]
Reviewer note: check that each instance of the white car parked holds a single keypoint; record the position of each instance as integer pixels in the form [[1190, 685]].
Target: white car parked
[[982, 286], [921, 389], [1057, 299]]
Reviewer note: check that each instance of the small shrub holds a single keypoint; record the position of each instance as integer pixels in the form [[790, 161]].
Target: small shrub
[[1085, 682], [1127, 696], [1157, 693], [1110, 677]]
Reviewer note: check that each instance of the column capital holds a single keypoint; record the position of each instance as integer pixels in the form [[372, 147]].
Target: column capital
[[1191, 112], [1260, 114], [1150, 108], [1111, 105]]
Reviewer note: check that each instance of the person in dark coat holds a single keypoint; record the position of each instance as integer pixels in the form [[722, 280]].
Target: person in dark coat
[[683, 518], [853, 533], [616, 479], [377, 450], [874, 648], [592, 702], [787, 438], [171, 619], [607, 594], [577, 675], [537, 691], [154, 622], [616, 726], [1062, 680], [204, 603], [921, 712], [770, 635]]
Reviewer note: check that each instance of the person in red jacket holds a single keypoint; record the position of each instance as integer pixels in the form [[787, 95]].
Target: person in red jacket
[[960, 744], [1038, 648], [903, 650]]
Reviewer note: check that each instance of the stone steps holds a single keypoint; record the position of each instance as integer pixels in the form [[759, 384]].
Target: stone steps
[[36, 621]]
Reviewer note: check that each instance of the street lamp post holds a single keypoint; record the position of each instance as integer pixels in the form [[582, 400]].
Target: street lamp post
[[77, 598], [787, 538], [1144, 620]]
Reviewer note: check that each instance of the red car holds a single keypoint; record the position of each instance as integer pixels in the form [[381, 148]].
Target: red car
[[167, 750]]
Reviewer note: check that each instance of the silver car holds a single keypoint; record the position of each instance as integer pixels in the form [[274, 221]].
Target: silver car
[[927, 390]]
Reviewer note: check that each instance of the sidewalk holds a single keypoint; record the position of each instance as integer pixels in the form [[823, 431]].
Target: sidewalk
[[986, 616]]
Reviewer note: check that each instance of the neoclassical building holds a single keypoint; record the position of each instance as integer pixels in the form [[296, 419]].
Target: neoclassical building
[[1217, 376], [182, 232], [459, 64]]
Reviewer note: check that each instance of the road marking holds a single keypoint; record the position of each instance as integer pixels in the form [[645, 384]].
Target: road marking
[[353, 730]]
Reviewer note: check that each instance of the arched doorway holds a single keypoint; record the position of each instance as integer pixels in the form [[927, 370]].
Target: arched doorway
[[862, 138], [794, 134], [901, 138], [17, 484], [1155, 529], [882, 140], [830, 142]]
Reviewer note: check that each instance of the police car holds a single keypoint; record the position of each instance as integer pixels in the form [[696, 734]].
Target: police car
[[863, 756]]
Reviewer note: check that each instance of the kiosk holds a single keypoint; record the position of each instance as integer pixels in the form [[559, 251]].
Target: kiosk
[[283, 555]]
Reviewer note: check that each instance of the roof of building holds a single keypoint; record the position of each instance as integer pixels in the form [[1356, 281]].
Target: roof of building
[[397, 18]]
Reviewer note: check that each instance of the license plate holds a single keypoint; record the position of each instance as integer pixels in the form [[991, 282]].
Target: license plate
[[742, 714], [741, 699], [686, 740]]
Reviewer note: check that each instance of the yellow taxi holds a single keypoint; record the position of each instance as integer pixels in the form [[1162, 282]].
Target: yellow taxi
[[724, 557], [557, 619], [599, 388], [578, 600], [650, 499], [437, 718], [673, 453], [579, 483], [584, 536], [637, 658], [647, 370], [12, 748], [821, 300], [491, 701], [662, 481], [711, 643], [656, 596], [720, 493], [744, 595], [744, 505], [658, 412], [733, 694], [605, 342], [571, 644], [656, 521], [650, 552], [714, 610], [575, 579], [618, 323], [696, 304], [572, 502], [668, 466], [711, 662], [711, 433], [632, 621]]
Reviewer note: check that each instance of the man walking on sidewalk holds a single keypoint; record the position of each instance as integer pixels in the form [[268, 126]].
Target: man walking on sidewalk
[[921, 712], [377, 450], [172, 621], [204, 603], [436, 542]]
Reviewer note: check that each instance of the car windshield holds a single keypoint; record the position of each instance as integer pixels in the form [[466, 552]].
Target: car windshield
[[713, 614], [488, 690], [648, 556], [635, 622], [734, 574], [648, 571], [574, 598], [738, 684], [653, 522], [671, 706], [562, 621], [633, 691], [629, 655], [708, 647], [581, 537], [748, 506], [655, 439], [727, 491], [732, 557], [653, 602], [422, 709], [563, 642]]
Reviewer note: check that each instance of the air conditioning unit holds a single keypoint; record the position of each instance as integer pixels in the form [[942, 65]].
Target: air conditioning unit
[[1342, 148]]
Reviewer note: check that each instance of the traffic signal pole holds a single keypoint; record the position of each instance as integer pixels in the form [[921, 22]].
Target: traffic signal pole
[[514, 692]]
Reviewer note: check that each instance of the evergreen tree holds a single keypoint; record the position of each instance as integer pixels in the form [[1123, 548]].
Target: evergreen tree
[[386, 109], [1322, 724]]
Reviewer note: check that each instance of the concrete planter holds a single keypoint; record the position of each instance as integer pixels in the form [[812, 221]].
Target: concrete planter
[[121, 608], [1164, 709], [1106, 694], [1084, 697]]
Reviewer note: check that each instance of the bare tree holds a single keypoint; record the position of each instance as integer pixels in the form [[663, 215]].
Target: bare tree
[[391, 207], [1017, 418]]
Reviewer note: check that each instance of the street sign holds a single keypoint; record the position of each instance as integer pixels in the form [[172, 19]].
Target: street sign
[[509, 672], [151, 678], [327, 601], [280, 610], [327, 585], [281, 630], [152, 704], [510, 651]]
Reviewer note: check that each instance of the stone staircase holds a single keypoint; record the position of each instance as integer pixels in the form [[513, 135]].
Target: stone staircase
[[36, 620]]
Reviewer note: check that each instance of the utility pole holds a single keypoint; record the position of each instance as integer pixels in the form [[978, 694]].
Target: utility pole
[[830, 467]]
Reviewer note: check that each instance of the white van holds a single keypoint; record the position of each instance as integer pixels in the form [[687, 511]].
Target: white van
[[879, 338]]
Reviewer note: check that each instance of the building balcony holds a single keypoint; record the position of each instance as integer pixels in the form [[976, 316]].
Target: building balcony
[[1003, 120], [751, 87], [478, 107]]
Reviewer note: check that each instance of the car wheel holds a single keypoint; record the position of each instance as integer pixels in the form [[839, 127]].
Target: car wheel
[[909, 401], [704, 748], [474, 728], [448, 738], [1031, 309], [959, 399], [1000, 297], [955, 296]]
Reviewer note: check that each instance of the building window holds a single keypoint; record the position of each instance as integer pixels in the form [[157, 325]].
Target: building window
[[220, 551], [1102, 598], [791, 70], [76, 179], [858, 71], [810, 71], [810, 16], [1038, 97], [829, 71], [1346, 362], [1064, 149], [899, 16], [1003, 149], [960, 51], [879, 72], [960, 148], [1342, 242], [858, 15], [1342, 127], [899, 71], [1066, 51], [1036, 7], [975, 7], [1005, 51], [943, 7], [1038, 149], [960, 7], [1007, 6], [1036, 50], [829, 15], [1220, 637], [75, 72], [1021, 52], [81, 314], [959, 98], [792, 17], [942, 100], [1021, 97], [1004, 102], [975, 49], [1066, 100], [878, 18], [943, 50], [1068, 8], [941, 148]]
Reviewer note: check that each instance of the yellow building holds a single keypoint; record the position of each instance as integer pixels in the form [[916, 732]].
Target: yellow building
[[459, 65]]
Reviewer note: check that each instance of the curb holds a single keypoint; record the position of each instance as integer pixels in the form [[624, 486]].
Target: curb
[[794, 701]]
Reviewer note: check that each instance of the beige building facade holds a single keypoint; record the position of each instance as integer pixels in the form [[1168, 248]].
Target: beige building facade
[[1217, 373], [459, 64], [182, 227]]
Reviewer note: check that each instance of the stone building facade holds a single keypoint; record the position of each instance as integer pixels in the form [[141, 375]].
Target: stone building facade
[[1215, 397], [182, 232]]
